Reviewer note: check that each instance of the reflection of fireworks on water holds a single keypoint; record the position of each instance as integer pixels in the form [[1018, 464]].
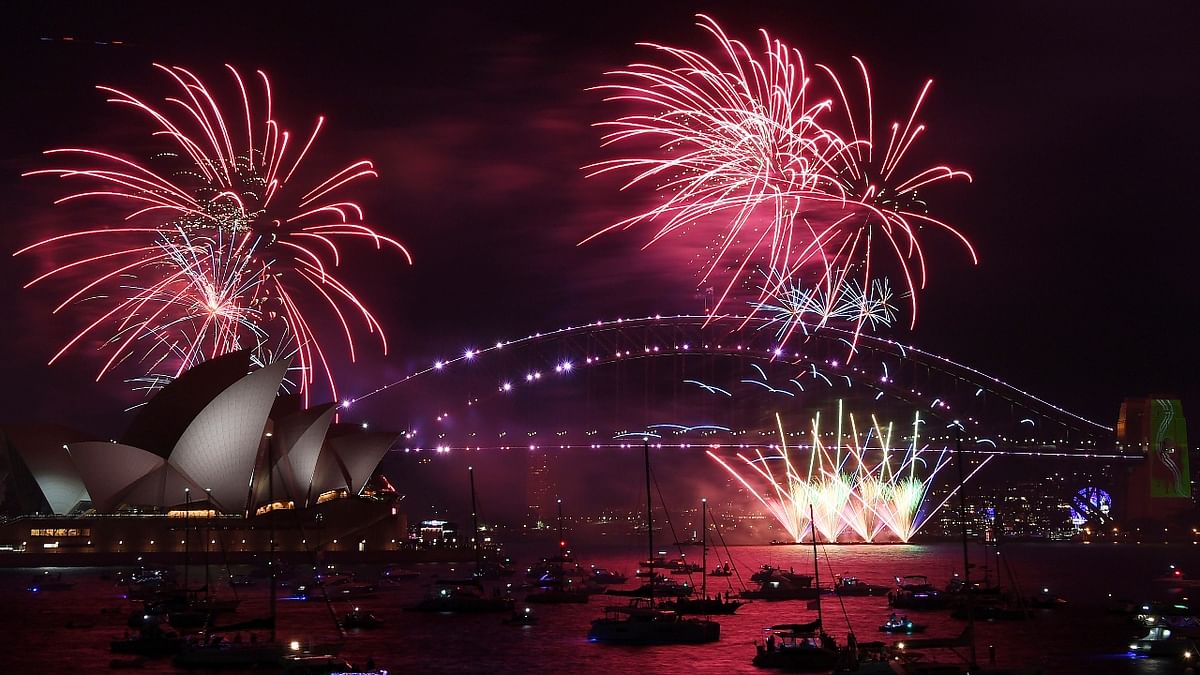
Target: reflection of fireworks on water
[[218, 252], [861, 487]]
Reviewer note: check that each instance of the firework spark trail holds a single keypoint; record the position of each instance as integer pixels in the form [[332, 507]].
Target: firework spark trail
[[219, 250], [748, 155], [886, 201], [739, 144], [857, 487]]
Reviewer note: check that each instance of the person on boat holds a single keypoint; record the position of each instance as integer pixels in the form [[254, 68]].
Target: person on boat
[[892, 618], [771, 642], [828, 642]]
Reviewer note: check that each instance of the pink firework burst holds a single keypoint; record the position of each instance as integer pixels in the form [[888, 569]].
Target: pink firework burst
[[747, 153], [877, 198], [219, 249], [736, 146]]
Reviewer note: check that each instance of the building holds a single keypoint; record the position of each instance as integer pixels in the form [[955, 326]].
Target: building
[[218, 448]]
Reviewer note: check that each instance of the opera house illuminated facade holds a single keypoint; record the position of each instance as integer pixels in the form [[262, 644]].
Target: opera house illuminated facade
[[216, 449]]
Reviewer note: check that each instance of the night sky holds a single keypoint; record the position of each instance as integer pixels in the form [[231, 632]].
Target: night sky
[[1078, 122]]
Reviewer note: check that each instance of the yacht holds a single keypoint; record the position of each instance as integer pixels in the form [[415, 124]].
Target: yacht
[[915, 592], [642, 623], [463, 596], [797, 648], [853, 586]]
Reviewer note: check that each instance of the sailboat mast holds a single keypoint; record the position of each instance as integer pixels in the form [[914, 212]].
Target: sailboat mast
[[649, 522], [474, 520], [187, 500], [561, 547], [704, 546], [816, 567], [270, 514], [962, 512]]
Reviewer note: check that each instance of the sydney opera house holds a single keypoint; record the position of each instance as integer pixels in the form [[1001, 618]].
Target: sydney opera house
[[218, 452]]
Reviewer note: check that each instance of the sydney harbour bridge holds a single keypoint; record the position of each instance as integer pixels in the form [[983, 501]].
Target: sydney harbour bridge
[[726, 387]]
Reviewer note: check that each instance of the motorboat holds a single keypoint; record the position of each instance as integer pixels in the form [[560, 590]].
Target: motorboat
[[1175, 616], [902, 625], [797, 648], [397, 573], [1160, 641], [359, 618], [641, 623], [721, 571], [558, 596], [605, 577], [522, 617], [666, 588], [216, 652], [1175, 578], [765, 572], [853, 586], [463, 596], [1044, 599], [49, 582], [992, 609], [153, 640], [704, 606], [915, 592], [682, 566], [783, 586]]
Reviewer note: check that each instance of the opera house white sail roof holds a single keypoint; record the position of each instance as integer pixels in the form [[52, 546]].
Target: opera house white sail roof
[[206, 437]]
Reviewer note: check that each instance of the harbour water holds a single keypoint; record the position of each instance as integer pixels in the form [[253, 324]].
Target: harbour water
[[68, 631]]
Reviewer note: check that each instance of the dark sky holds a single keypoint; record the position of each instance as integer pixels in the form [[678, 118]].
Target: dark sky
[[1077, 120]]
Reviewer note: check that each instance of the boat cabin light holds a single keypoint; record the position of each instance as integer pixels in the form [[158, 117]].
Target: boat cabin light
[[295, 646]]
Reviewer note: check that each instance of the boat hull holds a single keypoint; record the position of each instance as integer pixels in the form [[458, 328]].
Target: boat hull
[[627, 632]]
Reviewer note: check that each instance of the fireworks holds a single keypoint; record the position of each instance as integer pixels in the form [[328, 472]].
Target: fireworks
[[861, 487], [220, 249], [745, 153]]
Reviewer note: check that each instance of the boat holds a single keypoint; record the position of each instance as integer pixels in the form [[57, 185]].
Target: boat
[[641, 622], [901, 624], [763, 573], [682, 566], [1044, 599], [359, 618], [914, 591], [662, 587], [217, 652], [845, 584], [993, 609], [704, 604], [397, 573], [522, 617], [797, 648], [463, 596], [1172, 615], [721, 571], [1160, 641], [603, 577], [783, 586], [153, 640], [557, 591], [802, 647], [49, 582]]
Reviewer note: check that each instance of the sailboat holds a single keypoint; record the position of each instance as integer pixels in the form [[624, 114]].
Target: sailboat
[[212, 650], [465, 595], [705, 604], [641, 622], [799, 647], [558, 593]]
